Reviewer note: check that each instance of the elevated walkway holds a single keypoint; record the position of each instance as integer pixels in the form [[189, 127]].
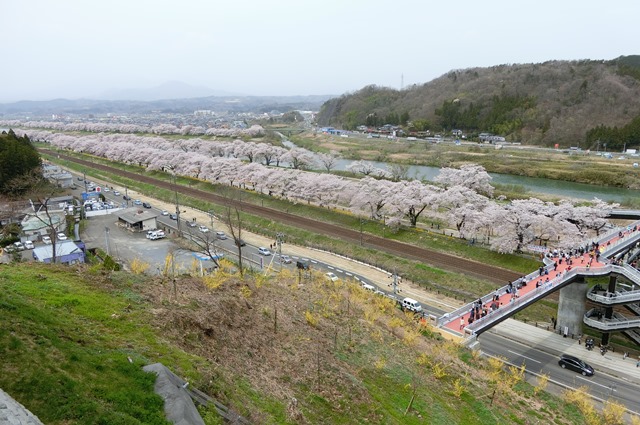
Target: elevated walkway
[[494, 308]]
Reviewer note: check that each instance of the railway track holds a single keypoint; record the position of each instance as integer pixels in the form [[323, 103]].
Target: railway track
[[434, 258]]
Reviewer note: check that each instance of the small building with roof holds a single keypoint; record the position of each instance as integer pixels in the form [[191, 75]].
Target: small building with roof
[[137, 219], [67, 252]]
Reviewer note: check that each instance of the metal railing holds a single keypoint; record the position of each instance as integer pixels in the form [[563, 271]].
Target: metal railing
[[617, 322]]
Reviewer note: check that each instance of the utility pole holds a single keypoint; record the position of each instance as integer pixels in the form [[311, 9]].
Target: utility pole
[[279, 242], [395, 283], [175, 188], [211, 216], [106, 239], [361, 232]]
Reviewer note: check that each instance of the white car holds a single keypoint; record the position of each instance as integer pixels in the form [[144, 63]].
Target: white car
[[221, 235], [62, 236], [165, 212], [203, 228], [19, 246], [116, 192], [331, 276], [28, 245], [368, 287], [46, 239], [264, 251]]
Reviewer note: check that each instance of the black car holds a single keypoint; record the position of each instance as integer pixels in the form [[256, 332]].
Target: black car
[[575, 364], [126, 198], [173, 216], [146, 205], [240, 242]]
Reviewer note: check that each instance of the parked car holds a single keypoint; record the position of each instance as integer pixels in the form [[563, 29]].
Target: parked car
[[46, 239], [28, 245], [264, 251], [126, 197], [203, 228], [146, 205], [18, 246], [221, 235], [573, 363], [331, 276], [158, 234], [62, 236], [106, 189]]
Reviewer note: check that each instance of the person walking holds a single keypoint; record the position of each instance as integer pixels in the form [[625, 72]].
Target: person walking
[[461, 322]]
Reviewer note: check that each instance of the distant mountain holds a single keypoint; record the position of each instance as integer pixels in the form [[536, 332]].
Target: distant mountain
[[168, 90], [220, 104], [545, 103]]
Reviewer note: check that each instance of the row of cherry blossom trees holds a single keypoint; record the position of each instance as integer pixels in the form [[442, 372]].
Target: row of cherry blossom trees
[[462, 197], [251, 132]]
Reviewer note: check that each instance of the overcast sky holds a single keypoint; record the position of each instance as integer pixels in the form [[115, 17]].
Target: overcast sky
[[83, 48]]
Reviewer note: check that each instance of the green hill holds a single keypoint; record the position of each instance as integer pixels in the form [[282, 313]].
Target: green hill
[[545, 103]]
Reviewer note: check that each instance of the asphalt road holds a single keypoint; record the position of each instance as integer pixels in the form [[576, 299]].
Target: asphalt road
[[602, 385]]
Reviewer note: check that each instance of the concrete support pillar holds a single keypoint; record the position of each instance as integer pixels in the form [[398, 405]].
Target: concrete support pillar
[[608, 311], [571, 307]]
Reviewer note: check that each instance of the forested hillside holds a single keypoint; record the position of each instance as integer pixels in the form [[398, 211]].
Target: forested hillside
[[545, 103]]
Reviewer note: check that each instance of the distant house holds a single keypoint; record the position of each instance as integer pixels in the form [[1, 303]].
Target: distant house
[[38, 224], [57, 175], [137, 219], [67, 252]]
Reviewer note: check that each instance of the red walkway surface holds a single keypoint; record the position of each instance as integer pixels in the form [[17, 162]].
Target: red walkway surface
[[588, 259]]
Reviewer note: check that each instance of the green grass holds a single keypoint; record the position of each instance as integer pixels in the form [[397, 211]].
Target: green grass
[[65, 356]]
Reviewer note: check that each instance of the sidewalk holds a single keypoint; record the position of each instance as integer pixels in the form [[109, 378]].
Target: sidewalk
[[552, 343]]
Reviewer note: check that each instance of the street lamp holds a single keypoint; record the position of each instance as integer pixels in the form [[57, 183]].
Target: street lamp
[[211, 216]]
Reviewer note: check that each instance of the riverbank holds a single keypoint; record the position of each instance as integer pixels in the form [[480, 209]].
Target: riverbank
[[507, 163]]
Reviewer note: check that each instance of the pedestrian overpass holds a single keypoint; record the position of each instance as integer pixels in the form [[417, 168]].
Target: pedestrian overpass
[[614, 245]]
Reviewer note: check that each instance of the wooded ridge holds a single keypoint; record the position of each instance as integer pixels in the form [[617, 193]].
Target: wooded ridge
[[572, 103]]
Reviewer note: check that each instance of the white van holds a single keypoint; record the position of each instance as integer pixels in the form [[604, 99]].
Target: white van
[[411, 305]]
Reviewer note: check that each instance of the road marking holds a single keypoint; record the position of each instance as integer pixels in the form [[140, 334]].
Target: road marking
[[524, 357], [595, 383], [348, 274], [330, 267], [339, 271], [314, 261]]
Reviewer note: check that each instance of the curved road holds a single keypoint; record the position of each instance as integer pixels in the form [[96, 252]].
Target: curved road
[[435, 258]]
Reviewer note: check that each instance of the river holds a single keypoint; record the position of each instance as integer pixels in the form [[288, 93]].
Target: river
[[559, 188]]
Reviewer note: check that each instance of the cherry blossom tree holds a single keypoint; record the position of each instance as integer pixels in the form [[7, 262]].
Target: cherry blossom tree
[[370, 196], [328, 160], [409, 201], [299, 159], [472, 176], [461, 204]]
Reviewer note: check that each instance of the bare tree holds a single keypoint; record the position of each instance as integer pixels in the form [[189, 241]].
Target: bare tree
[[205, 242], [232, 217]]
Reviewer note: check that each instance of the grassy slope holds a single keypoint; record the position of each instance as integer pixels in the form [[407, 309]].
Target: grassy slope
[[345, 355]]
